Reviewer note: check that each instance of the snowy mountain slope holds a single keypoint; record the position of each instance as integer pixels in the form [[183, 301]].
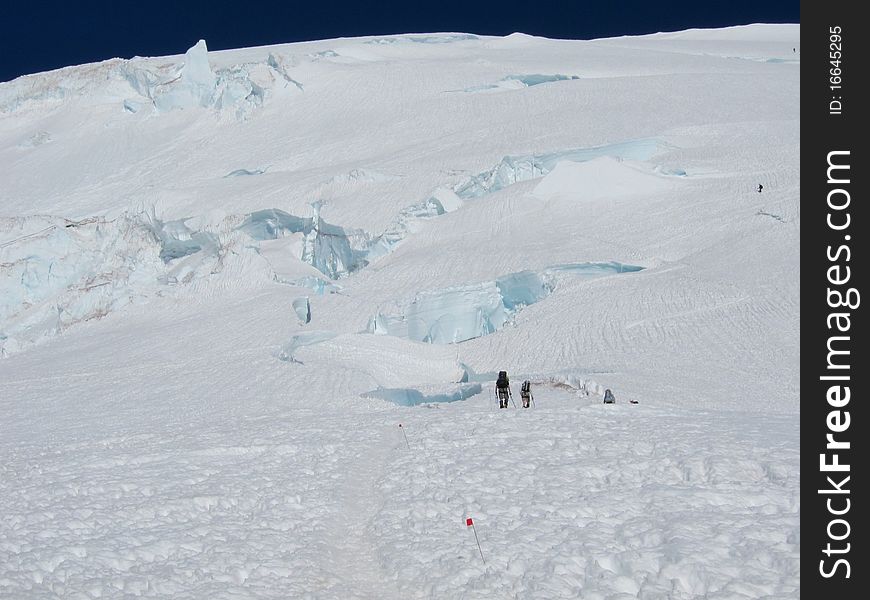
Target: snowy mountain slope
[[581, 213]]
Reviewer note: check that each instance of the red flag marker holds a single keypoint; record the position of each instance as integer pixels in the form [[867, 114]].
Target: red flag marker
[[470, 523]]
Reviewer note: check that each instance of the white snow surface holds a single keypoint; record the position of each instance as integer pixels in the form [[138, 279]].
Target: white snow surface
[[199, 252]]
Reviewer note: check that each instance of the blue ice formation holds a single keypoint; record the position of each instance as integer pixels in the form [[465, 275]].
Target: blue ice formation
[[448, 38], [596, 269], [440, 202], [332, 250], [513, 169], [535, 79], [461, 313], [177, 240], [196, 82], [287, 350], [512, 82], [302, 308], [243, 172], [414, 397], [55, 273], [240, 87]]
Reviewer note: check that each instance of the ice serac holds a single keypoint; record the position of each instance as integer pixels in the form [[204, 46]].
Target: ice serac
[[414, 397], [239, 88], [196, 71], [465, 312], [177, 240], [516, 82], [196, 82], [302, 308], [460, 313], [55, 273], [603, 177], [514, 169], [331, 249], [288, 350], [410, 219]]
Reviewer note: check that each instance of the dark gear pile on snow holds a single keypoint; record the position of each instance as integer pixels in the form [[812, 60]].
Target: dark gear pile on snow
[[526, 393], [503, 389]]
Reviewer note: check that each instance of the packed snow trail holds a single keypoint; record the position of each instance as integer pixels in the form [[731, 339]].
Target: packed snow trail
[[579, 499], [358, 501], [572, 498], [271, 506]]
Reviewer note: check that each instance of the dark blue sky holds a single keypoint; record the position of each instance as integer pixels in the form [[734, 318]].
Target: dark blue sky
[[38, 36]]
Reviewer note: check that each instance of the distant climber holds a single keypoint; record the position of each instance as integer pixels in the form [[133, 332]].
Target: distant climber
[[609, 398], [503, 389], [526, 393], [760, 187]]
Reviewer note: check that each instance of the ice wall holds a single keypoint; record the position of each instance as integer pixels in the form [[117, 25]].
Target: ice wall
[[414, 397], [513, 169], [177, 240], [240, 88], [302, 308], [410, 218], [54, 273], [514, 82], [288, 350], [460, 313], [332, 250]]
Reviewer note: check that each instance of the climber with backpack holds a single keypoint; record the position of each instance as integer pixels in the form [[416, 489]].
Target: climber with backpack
[[503, 389], [526, 393]]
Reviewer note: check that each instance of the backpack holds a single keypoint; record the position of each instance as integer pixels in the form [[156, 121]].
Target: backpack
[[608, 397], [527, 386], [502, 381]]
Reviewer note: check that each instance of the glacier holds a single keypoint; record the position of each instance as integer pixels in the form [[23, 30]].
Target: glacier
[[253, 303]]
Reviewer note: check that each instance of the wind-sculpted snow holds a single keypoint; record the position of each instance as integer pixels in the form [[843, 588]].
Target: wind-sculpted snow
[[461, 313], [513, 169]]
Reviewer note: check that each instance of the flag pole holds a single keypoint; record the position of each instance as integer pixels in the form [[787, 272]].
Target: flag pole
[[469, 522]]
